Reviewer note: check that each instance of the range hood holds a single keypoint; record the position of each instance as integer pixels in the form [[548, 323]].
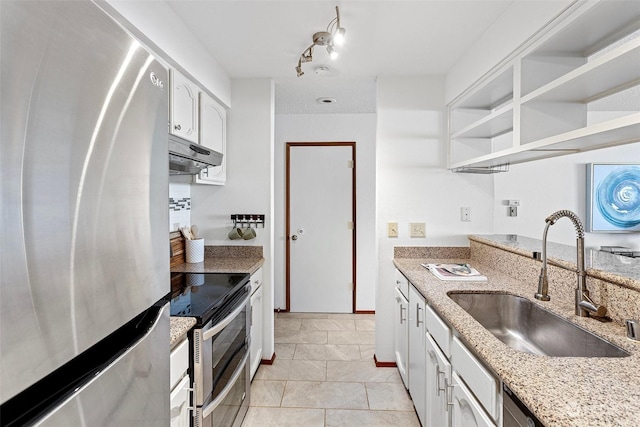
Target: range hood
[[189, 158]]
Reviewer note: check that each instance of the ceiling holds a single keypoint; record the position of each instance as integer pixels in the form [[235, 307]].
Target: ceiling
[[264, 39]]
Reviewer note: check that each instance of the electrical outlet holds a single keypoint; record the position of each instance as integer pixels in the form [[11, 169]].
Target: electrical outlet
[[392, 229], [465, 214], [416, 229]]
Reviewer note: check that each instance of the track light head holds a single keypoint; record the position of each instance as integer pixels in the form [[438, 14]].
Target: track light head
[[333, 36]]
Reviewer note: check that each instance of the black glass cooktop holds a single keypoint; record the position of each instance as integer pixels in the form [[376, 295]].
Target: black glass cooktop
[[201, 295]]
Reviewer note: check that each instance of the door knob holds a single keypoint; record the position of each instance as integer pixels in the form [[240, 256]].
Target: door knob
[[294, 237]]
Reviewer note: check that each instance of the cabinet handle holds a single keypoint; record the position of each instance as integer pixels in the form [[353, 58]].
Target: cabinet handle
[[402, 319], [448, 393], [398, 282], [418, 321], [438, 388], [177, 127]]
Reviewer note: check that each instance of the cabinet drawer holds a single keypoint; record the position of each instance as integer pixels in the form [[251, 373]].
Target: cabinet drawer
[[179, 362], [256, 280], [402, 283], [438, 330], [479, 380]]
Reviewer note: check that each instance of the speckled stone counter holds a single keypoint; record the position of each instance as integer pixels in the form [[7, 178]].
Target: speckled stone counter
[[179, 326], [225, 259], [217, 259], [563, 392]]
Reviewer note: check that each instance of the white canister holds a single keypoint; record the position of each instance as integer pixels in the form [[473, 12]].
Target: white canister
[[194, 249]]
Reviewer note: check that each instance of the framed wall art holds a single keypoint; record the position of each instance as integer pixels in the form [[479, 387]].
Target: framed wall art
[[613, 197]]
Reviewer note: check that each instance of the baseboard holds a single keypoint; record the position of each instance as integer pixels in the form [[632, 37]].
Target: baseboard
[[383, 364], [268, 361], [365, 312]]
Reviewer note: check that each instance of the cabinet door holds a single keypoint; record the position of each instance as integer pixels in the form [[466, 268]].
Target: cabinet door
[[213, 134], [417, 356], [438, 374], [401, 335], [183, 108], [467, 412], [180, 413], [256, 330]]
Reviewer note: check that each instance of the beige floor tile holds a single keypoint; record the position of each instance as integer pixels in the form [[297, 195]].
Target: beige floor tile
[[284, 351], [341, 395], [365, 324], [284, 417], [351, 337], [351, 418], [303, 370], [361, 371], [351, 316], [367, 351], [328, 325], [327, 352], [287, 324], [266, 393], [388, 397], [300, 337], [293, 315]]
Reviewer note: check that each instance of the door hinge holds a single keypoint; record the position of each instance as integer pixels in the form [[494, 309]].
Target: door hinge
[[350, 225], [351, 287], [350, 164]]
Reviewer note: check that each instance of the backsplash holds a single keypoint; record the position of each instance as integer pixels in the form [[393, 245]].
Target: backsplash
[[179, 205], [621, 297]]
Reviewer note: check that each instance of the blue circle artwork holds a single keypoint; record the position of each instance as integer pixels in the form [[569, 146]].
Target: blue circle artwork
[[618, 197]]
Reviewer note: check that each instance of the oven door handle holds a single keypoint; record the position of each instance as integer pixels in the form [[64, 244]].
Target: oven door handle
[[210, 333], [207, 410]]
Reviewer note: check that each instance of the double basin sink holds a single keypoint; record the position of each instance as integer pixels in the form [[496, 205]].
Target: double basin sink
[[525, 326]]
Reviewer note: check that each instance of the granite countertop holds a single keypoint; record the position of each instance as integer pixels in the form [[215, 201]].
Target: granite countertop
[[561, 391], [179, 326], [217, 259]]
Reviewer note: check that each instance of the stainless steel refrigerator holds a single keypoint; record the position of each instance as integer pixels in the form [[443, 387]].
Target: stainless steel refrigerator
[[84, 251]]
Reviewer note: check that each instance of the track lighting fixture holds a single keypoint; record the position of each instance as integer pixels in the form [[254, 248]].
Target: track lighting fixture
[[333, 36]]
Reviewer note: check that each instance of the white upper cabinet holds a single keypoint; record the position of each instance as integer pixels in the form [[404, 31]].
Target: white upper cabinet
[[213, 134], [574, 87], [183, 107]]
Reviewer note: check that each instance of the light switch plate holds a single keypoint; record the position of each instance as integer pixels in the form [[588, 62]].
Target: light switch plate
[[392, 229], [416, 229]]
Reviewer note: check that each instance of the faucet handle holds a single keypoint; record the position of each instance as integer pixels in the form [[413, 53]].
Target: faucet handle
[[587, 303]]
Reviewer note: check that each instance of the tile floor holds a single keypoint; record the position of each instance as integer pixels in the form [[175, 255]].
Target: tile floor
[[324, 376]]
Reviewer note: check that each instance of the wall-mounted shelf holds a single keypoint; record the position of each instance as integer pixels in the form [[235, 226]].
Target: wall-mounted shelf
[[573, 87]]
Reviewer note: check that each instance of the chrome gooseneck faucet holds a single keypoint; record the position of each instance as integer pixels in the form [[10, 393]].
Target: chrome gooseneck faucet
[[583, 304]]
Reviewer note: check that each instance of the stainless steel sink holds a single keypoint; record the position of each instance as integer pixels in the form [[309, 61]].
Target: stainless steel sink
[[525, 326]]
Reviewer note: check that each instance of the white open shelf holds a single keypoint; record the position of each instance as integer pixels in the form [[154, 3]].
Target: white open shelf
[[580, 86]]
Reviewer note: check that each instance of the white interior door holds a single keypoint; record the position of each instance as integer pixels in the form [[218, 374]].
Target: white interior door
[[320, 248]]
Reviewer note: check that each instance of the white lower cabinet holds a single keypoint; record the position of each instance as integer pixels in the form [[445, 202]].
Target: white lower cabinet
[[256, 321], [179, 398], [438, 376], [401, 335], [466, 411], [417, 353], [180, 382]]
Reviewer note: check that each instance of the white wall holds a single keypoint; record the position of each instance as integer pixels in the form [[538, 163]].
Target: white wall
[[327, 128], [157, 22], [249, 186], [413, 185], [546, 186]]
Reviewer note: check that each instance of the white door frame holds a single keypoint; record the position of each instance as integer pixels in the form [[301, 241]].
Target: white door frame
[[288, 214]]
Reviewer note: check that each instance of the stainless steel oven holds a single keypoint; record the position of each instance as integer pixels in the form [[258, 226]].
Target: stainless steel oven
[[221, 377], [220, 344]]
